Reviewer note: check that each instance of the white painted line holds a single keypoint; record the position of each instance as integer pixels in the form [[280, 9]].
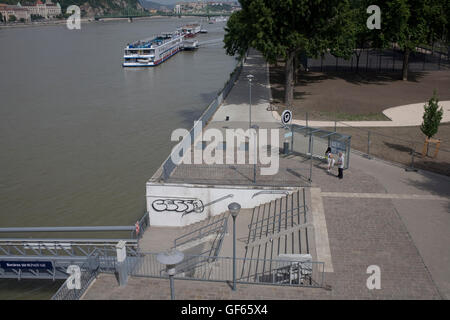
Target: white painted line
[[320, 229], [384, 196]]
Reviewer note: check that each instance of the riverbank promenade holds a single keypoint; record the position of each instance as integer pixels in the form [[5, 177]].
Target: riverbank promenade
[[379, 215]]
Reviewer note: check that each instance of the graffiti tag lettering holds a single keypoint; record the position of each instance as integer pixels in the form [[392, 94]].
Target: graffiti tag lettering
[[178, 205]]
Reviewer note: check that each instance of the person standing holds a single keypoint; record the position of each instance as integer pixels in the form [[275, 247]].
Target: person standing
[[327, 156], [330, 159], [341, 166]]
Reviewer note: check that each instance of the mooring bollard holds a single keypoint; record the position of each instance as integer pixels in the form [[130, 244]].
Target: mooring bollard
[[121, 266]]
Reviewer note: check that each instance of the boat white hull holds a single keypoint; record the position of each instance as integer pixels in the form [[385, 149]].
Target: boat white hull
[[151, 63]]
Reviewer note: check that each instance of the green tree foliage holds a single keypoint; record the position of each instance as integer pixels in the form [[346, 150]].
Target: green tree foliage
[[437, 13], [432, 117], [404, 23], [114, 6], [237, 39], [364, 37], [105, 4], [407, 25], [284, 28]]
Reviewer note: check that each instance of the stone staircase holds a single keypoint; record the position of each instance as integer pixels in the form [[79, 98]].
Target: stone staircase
[[201, 238], [277, 227], [204, 234]]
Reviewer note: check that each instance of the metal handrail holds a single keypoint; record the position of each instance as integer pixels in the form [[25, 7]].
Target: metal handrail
[[200, 231], [63, 247], [197, 267], [66, 229], [69, 241], [270, 192], [305, 209]]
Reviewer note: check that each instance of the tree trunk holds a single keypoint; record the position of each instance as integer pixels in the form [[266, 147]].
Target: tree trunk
[[289, 72], [405, 64], [358, 55], [295, 68]]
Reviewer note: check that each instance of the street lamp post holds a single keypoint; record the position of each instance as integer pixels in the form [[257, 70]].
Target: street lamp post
[[255, 160], [170, 259], [234, 208], [250, 78]]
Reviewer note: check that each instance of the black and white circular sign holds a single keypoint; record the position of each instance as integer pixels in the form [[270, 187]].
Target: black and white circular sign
[[286, 116]]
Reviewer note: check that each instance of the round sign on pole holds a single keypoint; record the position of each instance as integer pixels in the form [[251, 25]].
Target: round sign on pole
[[286, 116]]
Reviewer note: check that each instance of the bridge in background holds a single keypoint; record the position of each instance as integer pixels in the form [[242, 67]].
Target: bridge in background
[[130, 14]]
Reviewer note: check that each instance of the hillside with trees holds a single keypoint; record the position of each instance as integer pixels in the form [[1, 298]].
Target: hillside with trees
[[91, 7]]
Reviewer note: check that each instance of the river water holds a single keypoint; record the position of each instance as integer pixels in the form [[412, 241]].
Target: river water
[[80, 135]]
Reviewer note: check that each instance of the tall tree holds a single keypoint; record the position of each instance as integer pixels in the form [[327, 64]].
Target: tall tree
[[283, 28], [432, 117], [437, 18], [364, 37], [406, 25]]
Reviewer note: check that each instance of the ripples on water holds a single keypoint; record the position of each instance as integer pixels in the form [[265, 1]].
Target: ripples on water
[[80, 135]]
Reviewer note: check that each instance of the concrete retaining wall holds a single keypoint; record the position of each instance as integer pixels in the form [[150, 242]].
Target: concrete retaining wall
[[166, 203]]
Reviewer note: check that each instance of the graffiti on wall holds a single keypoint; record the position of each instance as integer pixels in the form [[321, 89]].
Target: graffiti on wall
[[184, 206]]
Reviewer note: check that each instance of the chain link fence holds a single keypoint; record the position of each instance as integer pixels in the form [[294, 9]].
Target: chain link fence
[[304, 273], [402, 145], [382, 60]]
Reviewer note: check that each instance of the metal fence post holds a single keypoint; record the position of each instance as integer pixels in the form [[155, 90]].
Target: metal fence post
[[292, 139], [367, 60], [393, 57], [321, 63], [411, 166], [256, 159], [311, 139], [379, 60], [424, 59]]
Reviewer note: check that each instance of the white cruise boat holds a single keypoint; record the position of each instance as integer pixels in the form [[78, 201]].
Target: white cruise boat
[[154, 51], [190, 30], [190, 44]]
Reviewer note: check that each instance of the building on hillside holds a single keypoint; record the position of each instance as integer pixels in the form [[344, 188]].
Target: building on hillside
[[20, 13], [177, 9], [46, 10]]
